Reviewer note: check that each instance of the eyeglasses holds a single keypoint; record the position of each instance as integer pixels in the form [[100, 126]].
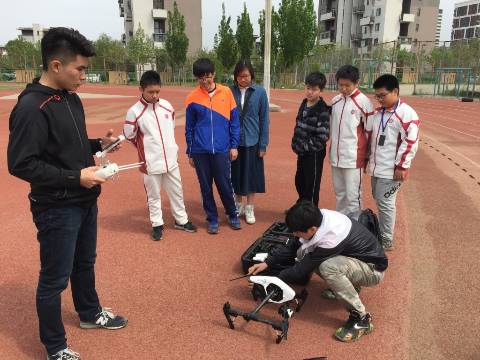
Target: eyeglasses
[[205, 78], [381, 96]]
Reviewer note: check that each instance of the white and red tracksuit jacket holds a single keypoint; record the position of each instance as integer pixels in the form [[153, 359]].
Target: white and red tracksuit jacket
[[150, 127], [400, 127], [348, 148]]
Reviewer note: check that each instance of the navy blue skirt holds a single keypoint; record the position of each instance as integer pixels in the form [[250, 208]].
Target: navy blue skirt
[[248, 175]]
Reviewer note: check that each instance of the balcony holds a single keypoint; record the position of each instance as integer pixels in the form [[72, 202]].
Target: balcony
[[159, 37], [326, 37], [328, 16], [360, 9], [159, 13], [407, 18], [367, 20]]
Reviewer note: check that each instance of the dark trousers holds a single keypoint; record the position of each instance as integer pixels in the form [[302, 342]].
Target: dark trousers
[[309, 176], [68, 240], [215, 167]]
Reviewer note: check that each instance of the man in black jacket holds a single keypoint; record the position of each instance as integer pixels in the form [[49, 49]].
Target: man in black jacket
[[49, 148], [310, 136], [341, 250]]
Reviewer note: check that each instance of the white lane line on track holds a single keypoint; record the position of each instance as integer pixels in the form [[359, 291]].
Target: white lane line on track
[[420, 111], [452, 150], [449, 128]]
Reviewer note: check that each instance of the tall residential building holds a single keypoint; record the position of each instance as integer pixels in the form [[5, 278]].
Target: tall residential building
[[151, 15], [32, 34], [439, 27], [466, 20], [363, 24]]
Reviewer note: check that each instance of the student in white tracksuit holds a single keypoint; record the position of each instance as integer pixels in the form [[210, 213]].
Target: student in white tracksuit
[[348, 148], [393, 139], [150, 125]]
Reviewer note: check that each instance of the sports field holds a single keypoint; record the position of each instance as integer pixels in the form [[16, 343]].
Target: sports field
[[173, 291]]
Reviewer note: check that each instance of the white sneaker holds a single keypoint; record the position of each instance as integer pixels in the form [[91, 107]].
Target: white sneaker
[[249, 214], [240, 209]]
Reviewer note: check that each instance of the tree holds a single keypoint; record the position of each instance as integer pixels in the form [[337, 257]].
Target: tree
[[274, 42], [109, 53], [226, 48], [176, 44], [140, 49], [22, 54], [244, 34], [297, 29]]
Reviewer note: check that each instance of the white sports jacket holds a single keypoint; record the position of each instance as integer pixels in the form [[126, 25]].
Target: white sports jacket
[[150, 127], [348, 148], [400, 128]]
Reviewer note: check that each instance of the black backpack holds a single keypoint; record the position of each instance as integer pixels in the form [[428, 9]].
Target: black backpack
[[369, 219]]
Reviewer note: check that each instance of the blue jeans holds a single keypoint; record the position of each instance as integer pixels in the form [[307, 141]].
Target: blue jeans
[[68, 241], [210, 168]]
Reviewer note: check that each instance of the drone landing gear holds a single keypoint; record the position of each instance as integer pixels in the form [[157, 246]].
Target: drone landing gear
[[274, 294]]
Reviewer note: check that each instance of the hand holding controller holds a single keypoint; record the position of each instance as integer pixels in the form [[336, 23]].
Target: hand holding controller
[[107, 171]]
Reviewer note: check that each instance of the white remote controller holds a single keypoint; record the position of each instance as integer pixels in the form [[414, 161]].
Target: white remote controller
[[107, 171]]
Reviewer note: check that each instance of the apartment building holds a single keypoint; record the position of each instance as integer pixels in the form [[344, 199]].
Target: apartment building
[[362, 24], [32, 34], [439, 27], [151, 15], [466, 20]]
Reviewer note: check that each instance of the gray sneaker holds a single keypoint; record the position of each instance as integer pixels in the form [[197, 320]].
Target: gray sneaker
[[65, 354], [387, 245], [105, 319]]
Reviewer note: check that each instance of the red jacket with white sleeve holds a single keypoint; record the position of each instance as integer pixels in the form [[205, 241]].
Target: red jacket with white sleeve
[[400, 128], [150, 127], [348, 148]]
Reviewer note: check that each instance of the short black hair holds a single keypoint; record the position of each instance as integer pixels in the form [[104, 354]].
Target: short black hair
[[316, 78], [150, 77], [202, 67], [348, 72], [302, 216], [64, 44], [242, 65], [387, 81]]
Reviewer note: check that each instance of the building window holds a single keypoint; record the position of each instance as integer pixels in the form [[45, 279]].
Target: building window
[[461, 11], [456, 23], [472, 9], [377, 27], [158, 4], [465, 21], [364, 29], [475, 20], [459, 34], [375, 42], [470, 33], [477, 32], [159, 26], [418, 11], [379, 11]]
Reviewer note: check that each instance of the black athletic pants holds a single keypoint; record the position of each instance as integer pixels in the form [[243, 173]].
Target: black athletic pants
[[309, 176]]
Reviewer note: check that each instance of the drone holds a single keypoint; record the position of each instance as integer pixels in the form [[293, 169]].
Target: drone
[[269, 289], [107, 169]]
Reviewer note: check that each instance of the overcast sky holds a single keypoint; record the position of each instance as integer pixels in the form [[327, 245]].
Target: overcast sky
[[94, 17]]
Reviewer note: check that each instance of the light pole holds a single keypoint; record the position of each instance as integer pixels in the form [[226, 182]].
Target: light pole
[[267, 45]]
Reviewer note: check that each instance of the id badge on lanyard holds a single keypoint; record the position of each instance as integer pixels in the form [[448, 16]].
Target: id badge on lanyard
[[382, 137]]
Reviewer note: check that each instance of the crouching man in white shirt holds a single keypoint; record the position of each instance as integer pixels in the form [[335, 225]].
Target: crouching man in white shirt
[[341, 250]]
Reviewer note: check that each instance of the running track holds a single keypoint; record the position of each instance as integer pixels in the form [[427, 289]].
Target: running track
[[173, 291]]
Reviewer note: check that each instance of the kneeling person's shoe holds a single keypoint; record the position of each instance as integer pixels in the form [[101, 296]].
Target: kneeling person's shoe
[[65, 354], [105, 319], [188, 227], [157, 233], [355, 327]]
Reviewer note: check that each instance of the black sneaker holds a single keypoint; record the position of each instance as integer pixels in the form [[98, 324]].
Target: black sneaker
[[157, 233], [65, 354], [188, 227], [105, 319], [355, 327]]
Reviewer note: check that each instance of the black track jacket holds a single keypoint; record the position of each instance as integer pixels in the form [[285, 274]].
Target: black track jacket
[[48, 146]]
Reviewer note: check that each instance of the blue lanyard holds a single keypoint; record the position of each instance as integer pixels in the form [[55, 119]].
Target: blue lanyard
[[383, 113]]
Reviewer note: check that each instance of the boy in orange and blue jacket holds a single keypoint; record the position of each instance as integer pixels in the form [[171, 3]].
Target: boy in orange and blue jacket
[[212, 132]]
